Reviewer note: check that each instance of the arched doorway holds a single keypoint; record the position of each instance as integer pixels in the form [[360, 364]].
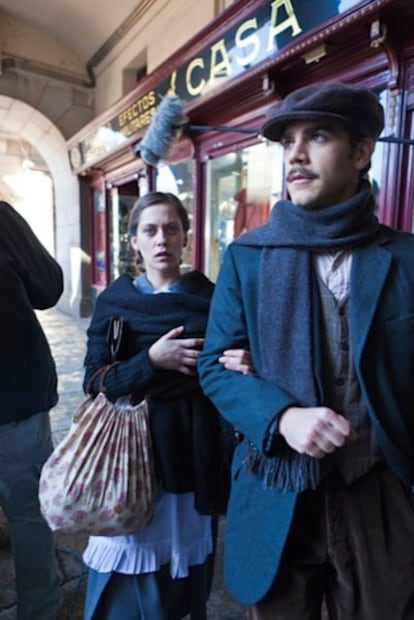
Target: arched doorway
[[37, 179]]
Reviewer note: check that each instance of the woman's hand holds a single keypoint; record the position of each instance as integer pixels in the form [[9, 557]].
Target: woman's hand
[[237, 359], [170, 352]]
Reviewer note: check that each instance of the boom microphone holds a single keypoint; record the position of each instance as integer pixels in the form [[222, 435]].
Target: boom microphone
[[164, 128], [169, 122]]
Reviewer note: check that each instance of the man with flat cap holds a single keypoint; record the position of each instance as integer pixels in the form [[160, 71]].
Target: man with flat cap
[[322, 498]]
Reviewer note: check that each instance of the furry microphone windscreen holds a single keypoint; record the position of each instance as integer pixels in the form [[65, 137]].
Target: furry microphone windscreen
[[163, 129]]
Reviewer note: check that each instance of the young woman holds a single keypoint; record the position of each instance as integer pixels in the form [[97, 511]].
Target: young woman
[[164, 571]]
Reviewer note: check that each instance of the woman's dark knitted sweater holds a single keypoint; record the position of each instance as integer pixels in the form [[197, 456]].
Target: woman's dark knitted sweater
[[184, 424]]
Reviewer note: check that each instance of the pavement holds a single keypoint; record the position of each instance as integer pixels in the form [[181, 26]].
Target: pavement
[[67, 339]]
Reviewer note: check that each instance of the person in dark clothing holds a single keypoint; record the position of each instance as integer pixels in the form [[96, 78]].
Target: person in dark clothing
[[162, 572], [322, 492], [29, 279]]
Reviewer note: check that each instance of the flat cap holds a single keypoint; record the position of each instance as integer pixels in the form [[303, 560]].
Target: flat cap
[[355, 106]]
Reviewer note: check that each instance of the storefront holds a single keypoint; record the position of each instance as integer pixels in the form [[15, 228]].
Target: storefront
[[227, 176]]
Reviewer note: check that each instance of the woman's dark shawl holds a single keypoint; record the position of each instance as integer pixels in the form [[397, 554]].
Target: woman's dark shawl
[[185, 426]]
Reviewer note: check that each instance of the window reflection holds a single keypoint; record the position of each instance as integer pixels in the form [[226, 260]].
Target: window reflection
[[242, 187], [375, 172], [122, 257]]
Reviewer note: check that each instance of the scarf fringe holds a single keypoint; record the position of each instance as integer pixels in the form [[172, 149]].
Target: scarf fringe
[[289, 471]]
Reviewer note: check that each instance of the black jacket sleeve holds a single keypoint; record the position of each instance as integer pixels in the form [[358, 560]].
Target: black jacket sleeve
[[38, 271]]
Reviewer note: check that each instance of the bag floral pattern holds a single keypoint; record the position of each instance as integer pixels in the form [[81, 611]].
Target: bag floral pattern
[[99, 479]]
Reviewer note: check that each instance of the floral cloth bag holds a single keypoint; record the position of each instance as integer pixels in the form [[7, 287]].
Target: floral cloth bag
[[100, 479]]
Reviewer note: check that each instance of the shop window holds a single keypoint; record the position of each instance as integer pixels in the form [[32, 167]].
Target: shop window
[[375, 171], [241, 188], [99, 234], [122, 199], [407, 178], [178, 178]]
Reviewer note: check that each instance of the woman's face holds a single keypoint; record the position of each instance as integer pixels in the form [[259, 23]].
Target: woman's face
[[160, 239]]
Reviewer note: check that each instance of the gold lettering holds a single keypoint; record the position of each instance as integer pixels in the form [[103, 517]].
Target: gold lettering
[[121, 119], [128, 113], [219, 68], [243, 42], [145, 103], [138, 122], [290, 22], [194, 89], [151, 98], [173, 84]]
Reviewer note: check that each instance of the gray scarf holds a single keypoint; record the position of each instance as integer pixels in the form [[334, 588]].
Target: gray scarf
[[285, 311]]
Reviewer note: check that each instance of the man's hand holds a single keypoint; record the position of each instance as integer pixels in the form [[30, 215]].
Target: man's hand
[[316, 431], [237, 359], [170, 352]]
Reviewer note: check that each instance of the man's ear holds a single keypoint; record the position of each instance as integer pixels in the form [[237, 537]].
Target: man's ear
[[363, 152]]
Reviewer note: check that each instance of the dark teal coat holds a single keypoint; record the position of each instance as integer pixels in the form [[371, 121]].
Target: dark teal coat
[[382, 336]]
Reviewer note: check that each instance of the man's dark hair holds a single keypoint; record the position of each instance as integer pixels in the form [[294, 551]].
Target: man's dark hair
[[354, 136]]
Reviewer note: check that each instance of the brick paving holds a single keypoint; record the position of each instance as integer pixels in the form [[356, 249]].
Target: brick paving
[[67, 338]]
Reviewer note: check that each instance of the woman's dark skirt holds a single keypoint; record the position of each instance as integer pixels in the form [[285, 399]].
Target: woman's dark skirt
[[149, 596]]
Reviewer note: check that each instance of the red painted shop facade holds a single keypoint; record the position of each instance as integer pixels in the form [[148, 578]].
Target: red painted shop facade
[[228, 76]]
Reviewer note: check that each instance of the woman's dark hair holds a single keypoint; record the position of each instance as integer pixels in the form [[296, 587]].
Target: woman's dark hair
[[152, 199]]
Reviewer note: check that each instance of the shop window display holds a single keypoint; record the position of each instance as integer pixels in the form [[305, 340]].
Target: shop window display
[[242, 187]]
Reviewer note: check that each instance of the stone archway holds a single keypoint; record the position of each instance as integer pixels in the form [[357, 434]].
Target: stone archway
[[22, 121]]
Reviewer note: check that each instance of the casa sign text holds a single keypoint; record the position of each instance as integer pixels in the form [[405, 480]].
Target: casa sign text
[[268, 29]]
